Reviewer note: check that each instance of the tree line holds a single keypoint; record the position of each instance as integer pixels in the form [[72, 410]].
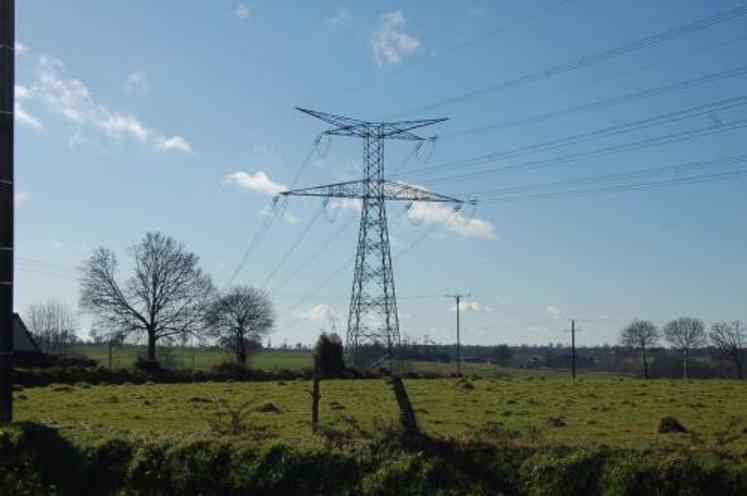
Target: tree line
[[168, 298], [686, 334]]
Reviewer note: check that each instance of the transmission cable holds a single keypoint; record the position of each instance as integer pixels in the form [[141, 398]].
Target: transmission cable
[[660, 90], [622, 176], [610, 150], [468, 42], [307, 263], [587, 60], [268, 220], [679, 181], [607, 132], [292, 247]]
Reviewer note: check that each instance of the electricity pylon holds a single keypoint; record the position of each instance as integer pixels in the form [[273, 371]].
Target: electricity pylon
[[373, 304]]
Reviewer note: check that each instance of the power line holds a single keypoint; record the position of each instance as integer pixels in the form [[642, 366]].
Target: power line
[[274, 213], [293, 247], [658, 63], [414, 64], [668, 169], [316, 254], [608, 132], [610, 150], [704, 178], [660, 90], [37, 270], [267, 222], [585, 61], [346, 264]]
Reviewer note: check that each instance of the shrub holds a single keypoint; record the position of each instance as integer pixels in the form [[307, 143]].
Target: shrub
[[330, 352], [147, 366], [550, 474]]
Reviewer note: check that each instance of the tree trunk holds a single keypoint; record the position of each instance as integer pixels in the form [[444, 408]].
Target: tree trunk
[[645, 363], [685, 370], [151, 345], [738, 363], [240, 349]]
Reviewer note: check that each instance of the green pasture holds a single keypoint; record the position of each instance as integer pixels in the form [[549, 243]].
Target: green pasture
[[594, 410], [201, 358]]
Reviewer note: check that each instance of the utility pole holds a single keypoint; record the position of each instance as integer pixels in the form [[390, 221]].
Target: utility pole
[[458, 298], [573, 348], [7, 81], [373, 318]]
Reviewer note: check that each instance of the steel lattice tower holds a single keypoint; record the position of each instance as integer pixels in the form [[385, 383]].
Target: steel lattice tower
[[373, 315]]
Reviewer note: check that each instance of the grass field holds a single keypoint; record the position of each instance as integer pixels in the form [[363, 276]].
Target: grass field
[[205, 358], [551, 409], [196, 358]]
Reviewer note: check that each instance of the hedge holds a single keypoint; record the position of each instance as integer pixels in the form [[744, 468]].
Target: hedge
[[37, 460]]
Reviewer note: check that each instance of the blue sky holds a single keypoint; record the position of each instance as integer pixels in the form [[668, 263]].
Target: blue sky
[[179, 117]]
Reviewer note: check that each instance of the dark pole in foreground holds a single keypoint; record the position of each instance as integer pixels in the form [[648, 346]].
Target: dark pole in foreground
[[7, 80], [573, 348]]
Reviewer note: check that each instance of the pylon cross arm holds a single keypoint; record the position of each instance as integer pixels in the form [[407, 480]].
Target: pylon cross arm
[[385, 190], [347, 126]]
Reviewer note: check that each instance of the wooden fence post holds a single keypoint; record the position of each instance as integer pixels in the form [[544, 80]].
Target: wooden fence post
[[406, 413]]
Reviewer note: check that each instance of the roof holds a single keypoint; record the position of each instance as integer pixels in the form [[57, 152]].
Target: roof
[[23, 341]]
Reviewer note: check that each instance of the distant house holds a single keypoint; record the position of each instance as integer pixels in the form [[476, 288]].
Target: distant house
[[23, 341], [28, 354]]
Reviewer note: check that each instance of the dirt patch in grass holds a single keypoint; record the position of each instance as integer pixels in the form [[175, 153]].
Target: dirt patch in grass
[[268, 407], [556, 422], [670, 425]]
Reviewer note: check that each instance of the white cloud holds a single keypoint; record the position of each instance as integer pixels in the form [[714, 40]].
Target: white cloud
[[176, 142], [322, 313], [21, 49], [455, 222], [23, 94], [555, 312], [243, 11], [137, 81], [259, 182], [340, 204], [469, 306], [389, 43], [20, 196], [58, 245], [285, 215], [117, 125], [72, 99], [422, 212], [77, 139], [24, 117], [340, 17]]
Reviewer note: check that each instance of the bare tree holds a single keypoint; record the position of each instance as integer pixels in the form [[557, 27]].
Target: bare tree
[[684, 334], [240, 315], [52, 325], [640, 335], [730, 340], [164, 299]]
